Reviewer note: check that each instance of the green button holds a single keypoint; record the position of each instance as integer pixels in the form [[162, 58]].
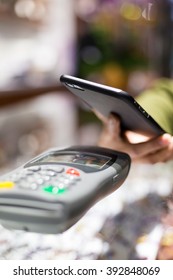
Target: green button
[[53, 190]]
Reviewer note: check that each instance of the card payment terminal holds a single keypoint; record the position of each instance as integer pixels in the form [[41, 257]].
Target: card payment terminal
[[53, 191]]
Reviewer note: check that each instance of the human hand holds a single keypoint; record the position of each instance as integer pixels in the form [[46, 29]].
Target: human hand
[[140, 148]]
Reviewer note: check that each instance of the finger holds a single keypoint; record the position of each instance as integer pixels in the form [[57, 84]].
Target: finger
[[151, 146], [135, 138], [114, 126], [110, 136], [112, 129], [160, 156]]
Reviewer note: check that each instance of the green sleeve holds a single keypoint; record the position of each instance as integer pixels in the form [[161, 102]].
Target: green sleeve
[[158, 102]]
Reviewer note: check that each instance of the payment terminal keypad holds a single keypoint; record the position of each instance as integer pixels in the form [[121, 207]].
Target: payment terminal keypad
[[50, 179]]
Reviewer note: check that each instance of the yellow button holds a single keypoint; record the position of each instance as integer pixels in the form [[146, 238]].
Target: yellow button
[[6, 185]]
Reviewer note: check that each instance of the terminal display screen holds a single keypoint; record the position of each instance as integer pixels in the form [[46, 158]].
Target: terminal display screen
[[84, 159]]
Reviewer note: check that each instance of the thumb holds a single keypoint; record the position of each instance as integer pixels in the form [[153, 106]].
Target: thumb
[[113, 126]]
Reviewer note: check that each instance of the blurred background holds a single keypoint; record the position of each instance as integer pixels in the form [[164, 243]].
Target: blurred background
[[122, 43]]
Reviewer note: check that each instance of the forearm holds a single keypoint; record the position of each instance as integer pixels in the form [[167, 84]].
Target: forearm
[[158, 102]]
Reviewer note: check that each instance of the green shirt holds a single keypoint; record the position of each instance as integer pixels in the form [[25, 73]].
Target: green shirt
[[158, 102]]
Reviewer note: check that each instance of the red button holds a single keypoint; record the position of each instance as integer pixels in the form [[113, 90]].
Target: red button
[[73, 171]]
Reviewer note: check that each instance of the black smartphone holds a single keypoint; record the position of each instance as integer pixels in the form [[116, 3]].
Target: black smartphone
[[106, 100]]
